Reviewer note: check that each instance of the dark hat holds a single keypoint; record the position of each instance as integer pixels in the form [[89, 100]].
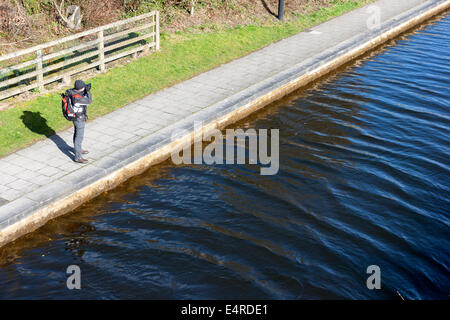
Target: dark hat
[[79, 84]]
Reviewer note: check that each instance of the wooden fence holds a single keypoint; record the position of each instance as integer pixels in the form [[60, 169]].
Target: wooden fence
[[47, 63]]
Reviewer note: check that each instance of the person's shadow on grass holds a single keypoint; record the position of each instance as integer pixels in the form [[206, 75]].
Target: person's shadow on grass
[[38, 124]]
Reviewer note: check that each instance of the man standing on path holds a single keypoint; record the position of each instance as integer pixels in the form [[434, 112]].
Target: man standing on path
[[81, 97]]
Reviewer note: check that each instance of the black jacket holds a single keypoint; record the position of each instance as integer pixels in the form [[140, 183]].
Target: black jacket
[[80, 101]]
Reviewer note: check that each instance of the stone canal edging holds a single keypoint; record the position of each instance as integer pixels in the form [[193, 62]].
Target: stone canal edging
[[32, 193]]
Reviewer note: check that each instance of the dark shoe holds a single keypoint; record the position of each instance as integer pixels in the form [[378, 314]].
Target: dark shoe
[[84, 152], [81, 160]]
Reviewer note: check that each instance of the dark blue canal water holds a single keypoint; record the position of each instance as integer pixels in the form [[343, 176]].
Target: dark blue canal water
[[363, 180]]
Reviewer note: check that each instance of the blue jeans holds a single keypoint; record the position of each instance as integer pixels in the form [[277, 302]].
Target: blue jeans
[[78, 135]]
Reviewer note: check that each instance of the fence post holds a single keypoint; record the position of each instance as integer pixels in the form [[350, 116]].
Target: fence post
[[3, 76], [40, 75], [66, 80], [101, 50], [157, 30], [280, 9]]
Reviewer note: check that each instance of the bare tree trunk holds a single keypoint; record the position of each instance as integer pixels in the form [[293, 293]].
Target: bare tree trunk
[[192, 7]]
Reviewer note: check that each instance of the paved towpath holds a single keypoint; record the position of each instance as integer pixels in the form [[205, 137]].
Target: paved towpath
[[37, 175]]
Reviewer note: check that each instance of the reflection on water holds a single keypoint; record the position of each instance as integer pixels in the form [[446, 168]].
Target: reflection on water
[[363, 180]]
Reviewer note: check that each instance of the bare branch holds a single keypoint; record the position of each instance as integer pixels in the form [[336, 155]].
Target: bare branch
[[60, 10], [19, 7], [69, 21]]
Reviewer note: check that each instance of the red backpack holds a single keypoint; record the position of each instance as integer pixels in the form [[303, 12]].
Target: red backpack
[[67, 109]]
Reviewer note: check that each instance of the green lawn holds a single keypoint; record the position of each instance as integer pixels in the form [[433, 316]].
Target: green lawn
[[181, 57]]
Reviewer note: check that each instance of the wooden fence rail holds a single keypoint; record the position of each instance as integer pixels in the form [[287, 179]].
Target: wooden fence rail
[[43, 68]]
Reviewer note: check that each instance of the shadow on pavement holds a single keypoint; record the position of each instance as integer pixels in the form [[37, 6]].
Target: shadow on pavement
[[38, 124]]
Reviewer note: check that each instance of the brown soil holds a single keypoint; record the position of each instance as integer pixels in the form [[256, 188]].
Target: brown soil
[[237, 12]]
